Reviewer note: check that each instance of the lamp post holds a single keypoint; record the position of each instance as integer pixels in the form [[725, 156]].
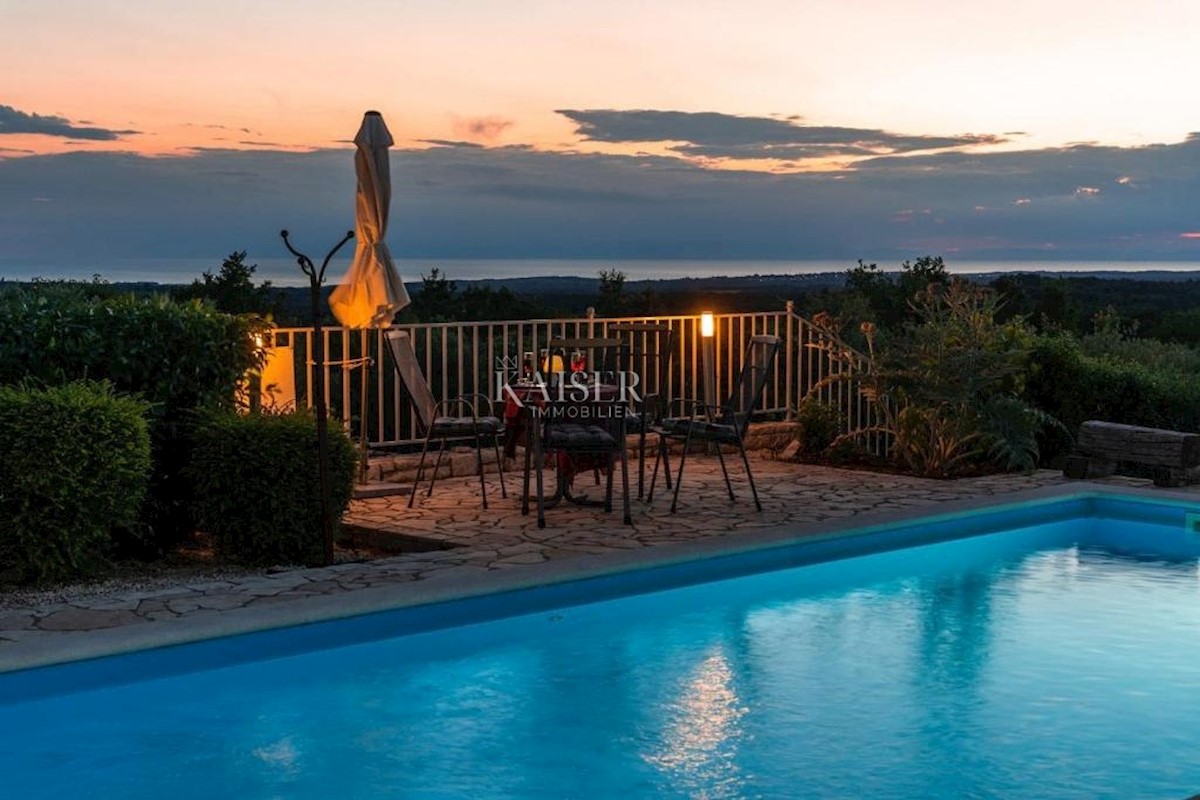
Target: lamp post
[[708, 330], [315, 279]]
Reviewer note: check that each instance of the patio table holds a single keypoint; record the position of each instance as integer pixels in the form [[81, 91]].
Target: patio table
[[522, 406], [520, 400]]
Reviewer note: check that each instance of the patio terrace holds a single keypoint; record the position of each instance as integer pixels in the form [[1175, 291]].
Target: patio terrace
[[452, 542], [46, 628]]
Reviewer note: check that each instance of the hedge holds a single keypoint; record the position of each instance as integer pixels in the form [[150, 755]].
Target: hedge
[[74, 466], [1074, 387], [257, 489], [179, 357]]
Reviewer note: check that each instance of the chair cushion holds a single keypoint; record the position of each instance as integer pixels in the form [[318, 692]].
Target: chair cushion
[[466, 426], [699, 428], [573, 436]]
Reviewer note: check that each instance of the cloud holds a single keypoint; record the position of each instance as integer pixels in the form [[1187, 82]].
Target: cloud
[[214, 126], [450, 143], [515, 202], [487, 129], [715, 135], [780, 152], [13, 121]]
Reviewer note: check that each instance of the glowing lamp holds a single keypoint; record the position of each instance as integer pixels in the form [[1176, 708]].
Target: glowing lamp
[[707, 325], [552, 365]]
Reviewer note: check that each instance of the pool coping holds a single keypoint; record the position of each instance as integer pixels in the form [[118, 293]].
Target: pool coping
[[436, 589]]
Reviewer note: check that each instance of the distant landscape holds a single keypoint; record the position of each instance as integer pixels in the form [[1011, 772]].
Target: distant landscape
[[1162, 304]]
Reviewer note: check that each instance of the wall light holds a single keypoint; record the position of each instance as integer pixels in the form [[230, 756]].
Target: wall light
[[707, 325]]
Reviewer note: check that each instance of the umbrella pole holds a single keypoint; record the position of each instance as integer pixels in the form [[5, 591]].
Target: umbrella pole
[[315, 279]]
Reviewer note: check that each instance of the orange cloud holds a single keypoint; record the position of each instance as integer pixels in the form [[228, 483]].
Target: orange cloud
[[486, 129]]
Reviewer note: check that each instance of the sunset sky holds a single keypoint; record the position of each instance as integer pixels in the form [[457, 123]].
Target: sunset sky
[[827, 130]]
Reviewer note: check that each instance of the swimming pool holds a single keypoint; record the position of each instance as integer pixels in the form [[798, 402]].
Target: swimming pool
[[1050, 649]]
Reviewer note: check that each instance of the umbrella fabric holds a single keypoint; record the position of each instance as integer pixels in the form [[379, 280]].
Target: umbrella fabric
[[372, 292]]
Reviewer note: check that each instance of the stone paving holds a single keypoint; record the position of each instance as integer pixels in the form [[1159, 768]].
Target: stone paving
[[501, 538]]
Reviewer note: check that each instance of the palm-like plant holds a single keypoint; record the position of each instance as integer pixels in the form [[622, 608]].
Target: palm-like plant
[[945, 388]]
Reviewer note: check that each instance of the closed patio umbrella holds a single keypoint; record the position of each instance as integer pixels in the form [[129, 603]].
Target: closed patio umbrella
[[372, 292]]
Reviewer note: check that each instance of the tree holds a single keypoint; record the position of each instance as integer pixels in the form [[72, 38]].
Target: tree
[[611, 300], [232, 289], [486, 303], [916, 277], [891, 300], [438, 300], [1055, 309], [874, 286], [1014, 300]]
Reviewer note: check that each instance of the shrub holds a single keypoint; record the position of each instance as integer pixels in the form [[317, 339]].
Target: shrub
[[179, 357], [1075, 387], [74, 465], [1149, 353], [945, 387], [819, 425], [257, 489]]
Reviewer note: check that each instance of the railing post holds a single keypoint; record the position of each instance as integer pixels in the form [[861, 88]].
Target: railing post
[[789, 319], [591, 315]]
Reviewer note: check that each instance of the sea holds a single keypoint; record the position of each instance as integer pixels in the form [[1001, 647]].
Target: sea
[[285, 272]]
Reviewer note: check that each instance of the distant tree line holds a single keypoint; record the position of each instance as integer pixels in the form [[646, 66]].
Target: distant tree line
[[1153, 309]]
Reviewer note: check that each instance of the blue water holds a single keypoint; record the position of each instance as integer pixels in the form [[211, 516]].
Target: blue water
[[1056, 661], [283, 271]]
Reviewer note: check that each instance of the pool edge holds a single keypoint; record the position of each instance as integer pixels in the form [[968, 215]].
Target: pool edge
[[89, 645]]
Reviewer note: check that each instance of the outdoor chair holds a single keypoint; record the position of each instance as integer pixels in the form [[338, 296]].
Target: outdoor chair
[[646, 351], [600, 355], [721, 425], [435, 423], [596, 429]]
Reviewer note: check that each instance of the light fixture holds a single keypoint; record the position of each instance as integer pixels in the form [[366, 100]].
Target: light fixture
[[708, 346], [552, 364]]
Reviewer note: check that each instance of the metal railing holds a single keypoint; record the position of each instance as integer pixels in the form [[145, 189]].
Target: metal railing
[[466, 357]]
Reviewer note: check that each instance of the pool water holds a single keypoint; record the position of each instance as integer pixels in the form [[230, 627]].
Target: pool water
[[1058, 660]]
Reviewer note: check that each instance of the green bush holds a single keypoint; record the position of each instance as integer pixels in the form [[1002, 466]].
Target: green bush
[[74, 465], [1075, 387], [257, 487], [1148, 353], [819, 425], [946, 385], [179, 357]]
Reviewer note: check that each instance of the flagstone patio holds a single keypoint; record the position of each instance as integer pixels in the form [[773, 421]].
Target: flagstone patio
[[481, 541]]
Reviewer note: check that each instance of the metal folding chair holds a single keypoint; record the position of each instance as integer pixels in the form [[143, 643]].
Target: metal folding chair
[[646, 350], [725, 424], [436, 424]]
